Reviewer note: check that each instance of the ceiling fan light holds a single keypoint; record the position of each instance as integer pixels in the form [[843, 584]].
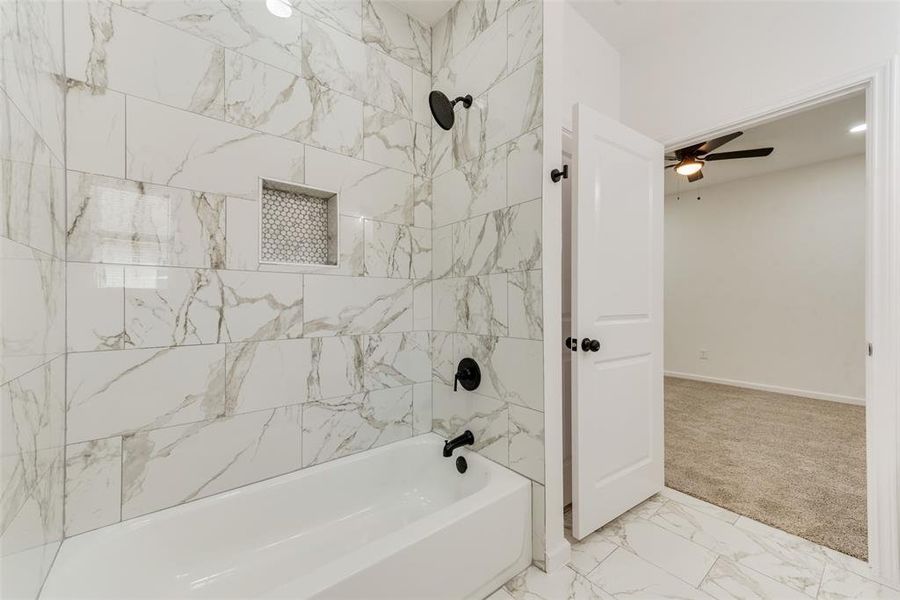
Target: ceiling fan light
[[688, 166]]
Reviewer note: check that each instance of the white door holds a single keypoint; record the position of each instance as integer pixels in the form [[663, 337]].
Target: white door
[[617, 395]]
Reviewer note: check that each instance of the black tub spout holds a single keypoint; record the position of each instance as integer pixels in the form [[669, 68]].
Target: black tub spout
[[465, 439]]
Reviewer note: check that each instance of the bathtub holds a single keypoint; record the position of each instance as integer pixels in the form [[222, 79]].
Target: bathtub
[[395, 522]]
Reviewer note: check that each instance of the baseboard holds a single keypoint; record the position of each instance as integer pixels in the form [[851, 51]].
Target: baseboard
[[558, 557], [770, 388]]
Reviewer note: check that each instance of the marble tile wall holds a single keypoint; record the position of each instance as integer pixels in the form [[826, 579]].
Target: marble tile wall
[[486, 236], [32, 292], [192, 368]]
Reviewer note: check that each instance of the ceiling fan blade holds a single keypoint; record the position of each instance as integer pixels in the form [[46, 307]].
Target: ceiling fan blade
[[739, 154], [670, 157], [673, 165], [695, 176], [716, 142], [687, 151]]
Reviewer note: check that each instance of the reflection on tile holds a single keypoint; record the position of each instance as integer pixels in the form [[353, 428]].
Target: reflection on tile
[[337, 427], [487, 418], [171, 307], [181, 149], [261, 375], [366, 190], [526, 442], [534, 584], [93, 484], [95, 307], [95, 130], [378, 305], [117, 221], [422, 414], [110, 47], [626, 574], [123, 391], [397, 359], [397, 34], [169, 466], [285, 104], [526, 319], [728, 580]]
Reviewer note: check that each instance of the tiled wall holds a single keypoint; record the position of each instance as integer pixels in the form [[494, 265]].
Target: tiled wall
[[191, 368], [32, 293], [487, 234]]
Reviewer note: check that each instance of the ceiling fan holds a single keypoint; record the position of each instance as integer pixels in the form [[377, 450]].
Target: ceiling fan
[[689, 161]]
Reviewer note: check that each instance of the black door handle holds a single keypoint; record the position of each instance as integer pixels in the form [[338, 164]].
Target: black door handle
[[572, 344], [589, 345]]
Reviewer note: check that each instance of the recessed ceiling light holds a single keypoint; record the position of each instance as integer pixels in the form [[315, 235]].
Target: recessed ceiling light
[[279, 8], [858, 128]]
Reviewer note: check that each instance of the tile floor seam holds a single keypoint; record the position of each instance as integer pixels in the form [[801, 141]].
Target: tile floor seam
[[709, 570]]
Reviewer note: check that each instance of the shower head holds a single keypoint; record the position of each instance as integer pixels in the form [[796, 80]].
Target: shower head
[[442, 107]]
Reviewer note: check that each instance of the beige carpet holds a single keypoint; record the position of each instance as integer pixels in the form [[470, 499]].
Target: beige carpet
[[793, 463]]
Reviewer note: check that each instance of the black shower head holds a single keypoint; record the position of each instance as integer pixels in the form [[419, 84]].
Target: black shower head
[[442, 107]]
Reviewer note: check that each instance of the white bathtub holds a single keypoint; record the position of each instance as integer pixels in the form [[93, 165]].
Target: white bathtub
[[396, 522]]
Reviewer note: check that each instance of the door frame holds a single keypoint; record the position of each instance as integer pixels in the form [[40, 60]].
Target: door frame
[[881, 85]]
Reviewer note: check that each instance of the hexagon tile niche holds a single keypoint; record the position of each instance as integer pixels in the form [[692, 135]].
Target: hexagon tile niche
[[298, 225]]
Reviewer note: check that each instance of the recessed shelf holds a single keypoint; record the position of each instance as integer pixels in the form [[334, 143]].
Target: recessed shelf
[[298, 225]]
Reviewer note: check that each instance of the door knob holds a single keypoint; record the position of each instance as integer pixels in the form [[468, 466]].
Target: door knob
[[589, 345]]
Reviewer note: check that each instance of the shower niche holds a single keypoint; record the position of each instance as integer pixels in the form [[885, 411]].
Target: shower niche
[[298, 225]]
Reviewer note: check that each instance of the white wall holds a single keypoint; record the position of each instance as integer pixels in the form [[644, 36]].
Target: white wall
[[767, 275], [741, 56], [592, 68]]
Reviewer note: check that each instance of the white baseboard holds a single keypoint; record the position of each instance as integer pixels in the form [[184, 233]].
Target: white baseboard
[[558, 557], [770, 388]]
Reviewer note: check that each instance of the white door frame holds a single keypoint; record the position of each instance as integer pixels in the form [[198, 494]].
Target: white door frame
[[882, 87]]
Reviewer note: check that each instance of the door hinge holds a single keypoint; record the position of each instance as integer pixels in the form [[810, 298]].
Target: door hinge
[[556, 174]]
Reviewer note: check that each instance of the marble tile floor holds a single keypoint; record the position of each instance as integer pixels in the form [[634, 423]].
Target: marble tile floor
[[675, 546]]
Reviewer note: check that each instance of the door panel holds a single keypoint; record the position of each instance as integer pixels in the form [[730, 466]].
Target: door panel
[[617, 403]]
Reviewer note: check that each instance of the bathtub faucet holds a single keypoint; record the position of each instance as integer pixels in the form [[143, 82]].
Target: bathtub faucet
[[465, 439]]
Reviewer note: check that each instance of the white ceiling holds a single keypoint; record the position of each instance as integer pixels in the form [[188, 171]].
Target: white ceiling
[[815, 135], [428, 12]]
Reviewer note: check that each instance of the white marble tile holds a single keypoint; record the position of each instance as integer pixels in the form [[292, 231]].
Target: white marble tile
[[32, 412], [515, 105], [40, 96], [95, 307], [525, 37], [340, 426], [397, 250], [843, 562], [394, 141], [388, 83], [390, 30], [245, 27], [334, 60], [443, 363], [19, 140], [177, 148], [590, 552], [422, 413], [421, 87], [697, 504], [120, 392], [165, 467], [487, 418], [343, 15], [95, 130], [525, 167], [442, 147], [526, 442], [366, 190], [728, 580], [469, 134], [337, 367], [422, 202], [526, 319], [171, 306], [281, 103], [511, 368], [93, 484], [476, 188], [538, 525], [24, 572], [32, 311], [111, 47], [504, 240], [462, 25], [349, 306], [478, 67], [535, 584], [625, 575], [32, 206], [422, 301], [396, 359], [838, 584], [500, 594], [261, 375], [118, 221], [442, 251], [789, 564], [674, 554], [421, 252], [471, 305], [648, 507]]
